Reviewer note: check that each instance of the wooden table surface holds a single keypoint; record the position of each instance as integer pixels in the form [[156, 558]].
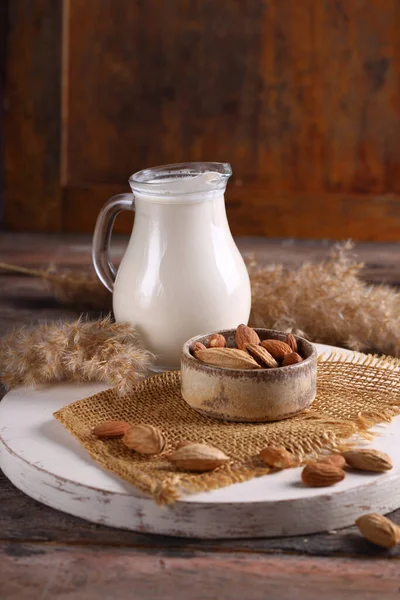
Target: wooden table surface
[[45, 554]]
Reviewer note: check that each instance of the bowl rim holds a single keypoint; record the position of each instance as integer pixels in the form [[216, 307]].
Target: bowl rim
[[186, 354]]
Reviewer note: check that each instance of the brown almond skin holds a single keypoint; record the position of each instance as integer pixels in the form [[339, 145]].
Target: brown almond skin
[[262, 356], [227, 358], [322, 475], [291, 359], [111, 429], [198, 346], [217, 341], [144, 439], [246, 335], [292, 342], [368, 460], [277, 457], [379, 530], [277, 348], [337, 460], [198, 458]]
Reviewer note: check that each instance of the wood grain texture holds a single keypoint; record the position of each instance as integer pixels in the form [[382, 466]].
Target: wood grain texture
[[3, 50], [301, 98], [253, 209], [32, 111], [23, 519], [85, 574]]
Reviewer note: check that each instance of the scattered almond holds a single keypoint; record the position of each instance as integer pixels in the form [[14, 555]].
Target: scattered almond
[[198, 346], [321, 475], [198, 457], [291, 359], [379, 530], [144, 439], [292, 342], [261, 355], [278, 457], [276, 348], [368, 460], [111, 429], [246, 335], [337, 460], [228, 358], [217, 341]]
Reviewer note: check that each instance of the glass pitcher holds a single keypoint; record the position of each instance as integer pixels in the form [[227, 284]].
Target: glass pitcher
[[181, 274]]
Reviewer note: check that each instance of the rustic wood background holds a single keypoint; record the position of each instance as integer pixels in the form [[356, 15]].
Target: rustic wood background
[[301, 97]]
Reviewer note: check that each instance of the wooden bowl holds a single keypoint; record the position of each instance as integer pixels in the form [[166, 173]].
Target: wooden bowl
[[249, 395]]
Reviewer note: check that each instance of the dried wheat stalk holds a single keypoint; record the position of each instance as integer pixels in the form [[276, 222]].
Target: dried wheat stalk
[[80, 351], [329, 303]]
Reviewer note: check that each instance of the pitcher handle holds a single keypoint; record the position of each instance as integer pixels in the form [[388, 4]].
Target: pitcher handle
[[104, 268]]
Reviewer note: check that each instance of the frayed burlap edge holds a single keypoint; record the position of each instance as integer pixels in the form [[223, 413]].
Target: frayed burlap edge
[[321, 429]]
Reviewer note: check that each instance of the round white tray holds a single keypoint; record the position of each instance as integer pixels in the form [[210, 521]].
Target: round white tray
[[43, 460]]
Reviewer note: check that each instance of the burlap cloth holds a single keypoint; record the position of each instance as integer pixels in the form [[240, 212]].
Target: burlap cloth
[[351, 397]]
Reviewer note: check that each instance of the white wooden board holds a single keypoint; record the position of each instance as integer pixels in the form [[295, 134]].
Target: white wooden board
[[43, 460]]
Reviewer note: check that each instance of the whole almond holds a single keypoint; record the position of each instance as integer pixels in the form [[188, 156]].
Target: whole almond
[[291, 359], [198, 346], [111, 429], [246, 335], [261, 355], [228, 358], [144, 439], [368, 460], [217, 341], [198, 457], [292, 342], [278, 457], [337, 460], [277, 348], [379, 530], [321, 475]]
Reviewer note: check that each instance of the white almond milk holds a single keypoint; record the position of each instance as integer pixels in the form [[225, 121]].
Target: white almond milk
[[182, 274]]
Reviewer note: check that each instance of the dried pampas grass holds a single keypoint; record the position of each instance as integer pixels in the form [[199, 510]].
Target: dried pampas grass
[[80, 351], [329, 303]]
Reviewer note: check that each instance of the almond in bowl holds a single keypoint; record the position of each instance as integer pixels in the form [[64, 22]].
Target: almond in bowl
[[257, 375]]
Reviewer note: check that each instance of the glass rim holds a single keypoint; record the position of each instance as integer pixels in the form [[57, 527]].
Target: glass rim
[[153, 178]]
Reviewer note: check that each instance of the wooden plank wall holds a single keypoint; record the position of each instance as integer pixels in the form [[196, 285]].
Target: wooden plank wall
[[301, 97], [32, 125], [3, 48]]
